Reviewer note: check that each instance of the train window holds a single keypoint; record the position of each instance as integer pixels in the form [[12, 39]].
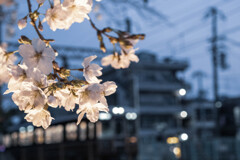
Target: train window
[[54, 134], [22, 136], [7, 140], [14, 138], [83, 131], [39, 136], [90, 130], [99, 129], [71, 131], [59, 129]]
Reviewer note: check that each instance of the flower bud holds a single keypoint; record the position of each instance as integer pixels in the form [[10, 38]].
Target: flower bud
[[24, 40], [108, 29], [55, 65], [102, 47], [40, 2], [40, 26], [22, 23]]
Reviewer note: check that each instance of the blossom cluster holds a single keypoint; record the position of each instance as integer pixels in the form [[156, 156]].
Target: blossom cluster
[[35, 89], [37, 82], [124, 59]]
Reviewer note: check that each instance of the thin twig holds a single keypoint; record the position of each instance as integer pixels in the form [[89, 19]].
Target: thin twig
[[33, 22], [98, 30], [80, 69]]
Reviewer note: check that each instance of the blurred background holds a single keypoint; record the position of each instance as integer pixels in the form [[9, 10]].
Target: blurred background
[[180, 102]]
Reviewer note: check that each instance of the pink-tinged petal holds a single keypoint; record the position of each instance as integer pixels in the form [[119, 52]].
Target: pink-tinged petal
[[80, 117], [95, 67], [38, 45], [102, 107], [93, 115], [87, 61], [107, 60], [110, 87], [124, 63], [26, 51], [56, 2], [133, 58], [103, 101], [53, 101], [45, 65], [49, 53], [91, 78]]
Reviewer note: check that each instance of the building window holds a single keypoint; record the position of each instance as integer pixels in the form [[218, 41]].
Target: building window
[[99, 129], [83, 131], [71, 131]]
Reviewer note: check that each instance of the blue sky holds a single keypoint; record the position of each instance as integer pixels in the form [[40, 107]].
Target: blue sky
[[183, 36]]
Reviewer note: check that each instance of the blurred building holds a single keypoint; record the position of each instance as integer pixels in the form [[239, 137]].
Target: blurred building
[[152, 89], [203, 119], [147, 109]]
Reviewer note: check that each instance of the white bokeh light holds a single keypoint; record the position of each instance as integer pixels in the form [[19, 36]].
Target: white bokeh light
[[182, 92], [183, 114], [131, 116], [184, 136], [118, 110]]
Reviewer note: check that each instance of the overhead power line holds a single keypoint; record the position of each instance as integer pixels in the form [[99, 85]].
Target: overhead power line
[[189, 16], [191, 29]]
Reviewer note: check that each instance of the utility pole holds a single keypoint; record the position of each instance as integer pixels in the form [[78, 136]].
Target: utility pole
[[214, 13]]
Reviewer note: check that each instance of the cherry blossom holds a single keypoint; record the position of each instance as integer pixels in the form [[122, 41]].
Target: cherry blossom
[[57, 17], [120, 61], [92, 99], [65, 98], [126, 58], [18, 75], [92, 111], [38, 55], [39, 118], [78, 10], [5, 60], [91, 71], [62, 16], [29, 97], [112, 60]]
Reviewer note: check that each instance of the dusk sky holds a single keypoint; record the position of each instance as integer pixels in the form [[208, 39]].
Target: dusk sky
[[183, 35]]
